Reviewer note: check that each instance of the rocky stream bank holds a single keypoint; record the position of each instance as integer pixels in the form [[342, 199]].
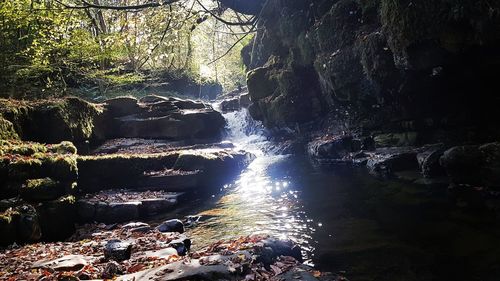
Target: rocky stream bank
[[87, 174]]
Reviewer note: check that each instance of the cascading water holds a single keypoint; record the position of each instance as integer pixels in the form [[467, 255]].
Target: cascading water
[[262, 200], [343, 218], [246, 133]]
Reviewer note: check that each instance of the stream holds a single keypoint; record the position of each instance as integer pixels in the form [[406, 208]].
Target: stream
[[345, 220]]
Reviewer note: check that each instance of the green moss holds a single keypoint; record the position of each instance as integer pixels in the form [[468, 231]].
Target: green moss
[[40, 183], [337, 28], [23, 160], [63, 167], [51, 120], [79, 116], [65, 147], [405, 24], [119, 170], [41, 189], [7, 130], [260, 83], [23, 168], [21, 148]]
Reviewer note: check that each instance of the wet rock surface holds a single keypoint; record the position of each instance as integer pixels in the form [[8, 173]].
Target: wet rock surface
[[161, 118], [173, 225], [117, 252], [116, 206], [166, 144]]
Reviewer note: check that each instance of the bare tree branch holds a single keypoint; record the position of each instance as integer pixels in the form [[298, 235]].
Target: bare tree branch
[[251, 22], [87, 5]]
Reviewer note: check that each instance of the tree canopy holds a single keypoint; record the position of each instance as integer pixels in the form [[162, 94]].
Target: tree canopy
[[53, 45]]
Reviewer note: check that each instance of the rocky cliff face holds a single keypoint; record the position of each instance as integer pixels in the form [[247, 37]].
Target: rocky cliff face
[[425, 66]]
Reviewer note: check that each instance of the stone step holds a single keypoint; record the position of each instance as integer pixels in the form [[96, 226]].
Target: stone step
[[171, 180], [116, 206]]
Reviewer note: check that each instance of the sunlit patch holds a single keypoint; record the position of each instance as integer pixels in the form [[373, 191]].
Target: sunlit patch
[[257, 202], [206, 71]]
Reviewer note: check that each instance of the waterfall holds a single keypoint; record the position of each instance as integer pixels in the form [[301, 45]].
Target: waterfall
[[246, 133]]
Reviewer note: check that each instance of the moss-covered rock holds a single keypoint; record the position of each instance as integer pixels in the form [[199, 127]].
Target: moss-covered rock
[[119, 170], [26, 160], [51, 121], [396, 139], [7, 130], [121, 106], [41, 189], [260, 83], [19, 224], [7, 228], [438, 26], [337, 28], [290, 96], [57, 218], [21, 161]]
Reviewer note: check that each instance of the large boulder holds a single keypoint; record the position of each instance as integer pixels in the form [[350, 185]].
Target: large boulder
[[333, 148], [385, 162], [160, 118], [19, 224], [463, 164], [428, 161], [42, 189], [49, 121], [490, 171], [122, 106], [57, 218], [173, 225], [473, 164], [260, 83], [36, 171]]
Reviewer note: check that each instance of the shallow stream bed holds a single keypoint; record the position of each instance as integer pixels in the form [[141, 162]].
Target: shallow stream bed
[[347, 221]]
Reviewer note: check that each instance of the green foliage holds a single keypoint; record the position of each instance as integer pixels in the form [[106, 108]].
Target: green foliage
[[49, 50]]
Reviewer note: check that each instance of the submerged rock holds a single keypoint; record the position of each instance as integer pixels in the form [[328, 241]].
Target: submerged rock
[[273, 248], [387, 161]]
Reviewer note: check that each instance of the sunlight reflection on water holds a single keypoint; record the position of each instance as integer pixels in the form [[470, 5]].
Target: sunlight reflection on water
[[257, 202]]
